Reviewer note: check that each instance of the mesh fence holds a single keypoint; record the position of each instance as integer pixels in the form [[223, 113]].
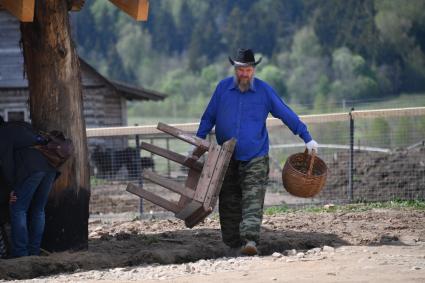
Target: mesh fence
[[374, 155]]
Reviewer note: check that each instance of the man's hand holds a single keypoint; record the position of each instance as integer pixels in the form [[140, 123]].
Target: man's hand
[[190, 157], [312, 145], [190, 152]]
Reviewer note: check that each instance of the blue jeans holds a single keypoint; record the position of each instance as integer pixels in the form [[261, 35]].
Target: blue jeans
[[31, 200]]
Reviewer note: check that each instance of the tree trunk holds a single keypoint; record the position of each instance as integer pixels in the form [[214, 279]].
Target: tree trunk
[[53, 71]]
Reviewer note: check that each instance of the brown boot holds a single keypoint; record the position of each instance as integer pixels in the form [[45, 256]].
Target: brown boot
[[250, 248]]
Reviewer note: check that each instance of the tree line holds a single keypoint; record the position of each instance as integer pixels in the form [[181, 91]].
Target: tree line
[[315, 52]]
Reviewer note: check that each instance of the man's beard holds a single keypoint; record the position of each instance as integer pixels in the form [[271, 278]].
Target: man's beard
[[244, 85]]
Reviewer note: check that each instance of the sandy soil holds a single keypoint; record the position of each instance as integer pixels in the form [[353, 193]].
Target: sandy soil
[[377, 244]]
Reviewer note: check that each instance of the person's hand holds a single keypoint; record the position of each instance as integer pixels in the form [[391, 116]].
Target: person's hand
[[190, 152], [12, 197], [312, 145]]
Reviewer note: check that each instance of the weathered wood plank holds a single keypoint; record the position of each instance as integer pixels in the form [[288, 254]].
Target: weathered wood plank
[[207, 173], [139, 191], [137, 9], [189, 209], [194, 140], [191, 182], [22, 9], [219, 173], [197, 217], [169, 184], [173, 156]]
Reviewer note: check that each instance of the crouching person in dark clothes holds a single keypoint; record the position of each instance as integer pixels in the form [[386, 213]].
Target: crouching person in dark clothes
[[238, 109], [31, 177]]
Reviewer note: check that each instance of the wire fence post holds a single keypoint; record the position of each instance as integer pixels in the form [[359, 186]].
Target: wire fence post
[[139, 171], [351, 160]]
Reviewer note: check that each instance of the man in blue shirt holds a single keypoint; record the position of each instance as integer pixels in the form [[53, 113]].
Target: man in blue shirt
[[238, 109]]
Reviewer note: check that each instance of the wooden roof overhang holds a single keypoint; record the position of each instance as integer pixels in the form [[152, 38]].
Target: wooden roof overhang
[[137, 93], [129, 92], [24, 9]]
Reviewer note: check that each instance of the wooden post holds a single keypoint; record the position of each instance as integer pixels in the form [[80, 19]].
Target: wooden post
[[53, 72], [139, 170]]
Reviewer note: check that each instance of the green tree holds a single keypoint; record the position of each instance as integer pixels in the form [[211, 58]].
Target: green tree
[[352, 76], [185, 26], [323, 102], [397, 21], [234, 34], [273, 76], [346, 23], [307, 66]]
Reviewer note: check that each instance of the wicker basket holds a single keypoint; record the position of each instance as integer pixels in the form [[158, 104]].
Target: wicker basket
[[304, 175]]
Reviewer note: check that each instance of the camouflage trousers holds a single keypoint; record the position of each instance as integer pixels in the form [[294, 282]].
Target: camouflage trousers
[[241, 201]]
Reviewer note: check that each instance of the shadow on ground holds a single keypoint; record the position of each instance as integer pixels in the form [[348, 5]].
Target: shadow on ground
[[127, 249]]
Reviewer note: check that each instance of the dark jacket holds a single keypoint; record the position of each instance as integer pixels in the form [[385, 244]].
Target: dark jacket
[[4, 200], [18, 159]]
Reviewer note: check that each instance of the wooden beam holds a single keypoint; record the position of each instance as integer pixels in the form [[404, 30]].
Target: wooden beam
[[171, 155], [168, 205], [204, 182], [189, 209], [202, 145], [169, 184], [197, 217], [137, 9], [22, 9], [219, 173]]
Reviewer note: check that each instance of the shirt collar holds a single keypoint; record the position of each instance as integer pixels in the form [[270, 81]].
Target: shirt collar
[[234, 85]]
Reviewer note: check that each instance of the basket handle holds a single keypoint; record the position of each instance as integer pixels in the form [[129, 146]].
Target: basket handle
[[310, 167]]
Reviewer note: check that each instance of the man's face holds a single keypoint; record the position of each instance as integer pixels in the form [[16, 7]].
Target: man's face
[[244, 76]]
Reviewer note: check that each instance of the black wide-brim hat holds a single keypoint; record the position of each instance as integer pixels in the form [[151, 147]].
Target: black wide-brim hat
[[244, 57]]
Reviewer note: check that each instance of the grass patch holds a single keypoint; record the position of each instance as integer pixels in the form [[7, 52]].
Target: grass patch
[[97, 182], [354, 207], [150, 239]]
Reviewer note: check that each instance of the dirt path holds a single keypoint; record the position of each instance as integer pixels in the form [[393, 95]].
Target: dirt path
[[377, 245]]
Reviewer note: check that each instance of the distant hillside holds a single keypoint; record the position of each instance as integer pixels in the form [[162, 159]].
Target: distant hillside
[[315, 52]]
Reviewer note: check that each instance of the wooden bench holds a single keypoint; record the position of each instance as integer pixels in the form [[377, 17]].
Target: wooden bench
[[199, 193]]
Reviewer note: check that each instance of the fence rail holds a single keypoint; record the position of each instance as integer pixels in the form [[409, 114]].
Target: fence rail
[[271, 122]]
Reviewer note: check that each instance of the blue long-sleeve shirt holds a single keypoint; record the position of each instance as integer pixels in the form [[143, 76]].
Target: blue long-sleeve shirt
[[242, 115]]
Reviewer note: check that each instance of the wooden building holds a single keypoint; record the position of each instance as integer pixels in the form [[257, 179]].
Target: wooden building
[[105, 101]]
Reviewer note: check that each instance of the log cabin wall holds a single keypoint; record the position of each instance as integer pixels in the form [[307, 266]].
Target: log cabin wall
[[102, 107]]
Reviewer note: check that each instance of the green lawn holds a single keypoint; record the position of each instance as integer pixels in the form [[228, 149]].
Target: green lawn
[[355, 207], [404, 100]]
